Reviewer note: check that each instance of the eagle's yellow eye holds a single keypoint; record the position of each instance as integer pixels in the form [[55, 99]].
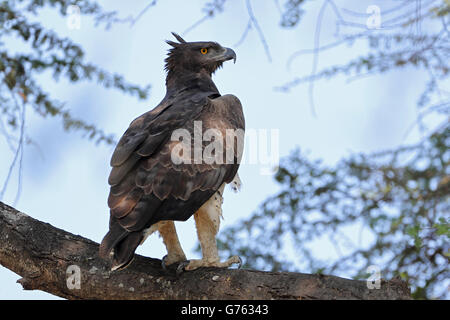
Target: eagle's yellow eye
[[204, 51]]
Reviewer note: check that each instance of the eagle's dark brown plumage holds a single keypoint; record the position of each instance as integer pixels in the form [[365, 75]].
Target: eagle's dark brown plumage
[[146, 185]]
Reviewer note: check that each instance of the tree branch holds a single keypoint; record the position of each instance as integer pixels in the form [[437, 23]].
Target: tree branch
[[43, 256]]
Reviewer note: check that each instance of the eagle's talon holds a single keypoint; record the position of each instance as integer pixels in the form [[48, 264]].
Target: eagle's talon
[[171, 259], [163, 263], [181, 267], [239, 263]]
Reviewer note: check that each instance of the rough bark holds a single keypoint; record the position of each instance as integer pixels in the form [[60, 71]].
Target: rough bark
[[42, 255]]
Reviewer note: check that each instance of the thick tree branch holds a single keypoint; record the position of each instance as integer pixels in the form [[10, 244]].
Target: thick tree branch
[[43, 254]]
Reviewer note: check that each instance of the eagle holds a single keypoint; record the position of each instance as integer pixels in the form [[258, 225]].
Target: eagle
[[175, 160]]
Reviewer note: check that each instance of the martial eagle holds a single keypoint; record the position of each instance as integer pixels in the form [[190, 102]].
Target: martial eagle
[[154, 182]]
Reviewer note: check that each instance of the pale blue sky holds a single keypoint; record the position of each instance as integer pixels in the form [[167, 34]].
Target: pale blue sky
[[65, 177]]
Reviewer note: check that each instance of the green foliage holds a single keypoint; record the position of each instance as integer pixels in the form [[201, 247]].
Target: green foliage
[[398, 199], [399, 43], [292, 13], [48, 52], [401, 196]]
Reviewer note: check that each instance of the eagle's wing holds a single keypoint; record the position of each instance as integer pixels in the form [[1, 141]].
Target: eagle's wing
[[147, 186]]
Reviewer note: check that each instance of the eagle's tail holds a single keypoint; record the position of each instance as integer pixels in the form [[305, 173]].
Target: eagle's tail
[[122, 243]]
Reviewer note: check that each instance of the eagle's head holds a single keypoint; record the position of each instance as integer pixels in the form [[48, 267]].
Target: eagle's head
[[196, 57]]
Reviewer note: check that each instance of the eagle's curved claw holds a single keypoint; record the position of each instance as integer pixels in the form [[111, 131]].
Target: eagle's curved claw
[[163, 262], [171, 259], [239, 264], [181, 267]]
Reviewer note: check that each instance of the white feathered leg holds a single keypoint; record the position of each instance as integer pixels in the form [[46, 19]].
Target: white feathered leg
[[207, 221]]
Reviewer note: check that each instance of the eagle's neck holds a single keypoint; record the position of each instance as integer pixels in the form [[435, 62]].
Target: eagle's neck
[[178, 81]]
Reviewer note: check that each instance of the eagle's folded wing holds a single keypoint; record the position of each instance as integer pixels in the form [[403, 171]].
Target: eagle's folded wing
[[147, 186]]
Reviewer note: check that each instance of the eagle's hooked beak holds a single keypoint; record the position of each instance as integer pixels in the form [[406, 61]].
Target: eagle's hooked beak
[[228, 55]]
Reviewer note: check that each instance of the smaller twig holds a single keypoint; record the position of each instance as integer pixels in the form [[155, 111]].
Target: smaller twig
[[335, 244], [196, 24], [255, 23], [421, 115], [21, 148], [9, 138], [244, 34], [277, 4], [19, 151], [111, 18], [324, 47], [385, 12], [140, 14], [316, 57]]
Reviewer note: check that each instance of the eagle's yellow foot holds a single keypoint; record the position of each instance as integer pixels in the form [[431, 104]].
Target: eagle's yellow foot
[[198, 263], [170, 238], [169, 259]]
